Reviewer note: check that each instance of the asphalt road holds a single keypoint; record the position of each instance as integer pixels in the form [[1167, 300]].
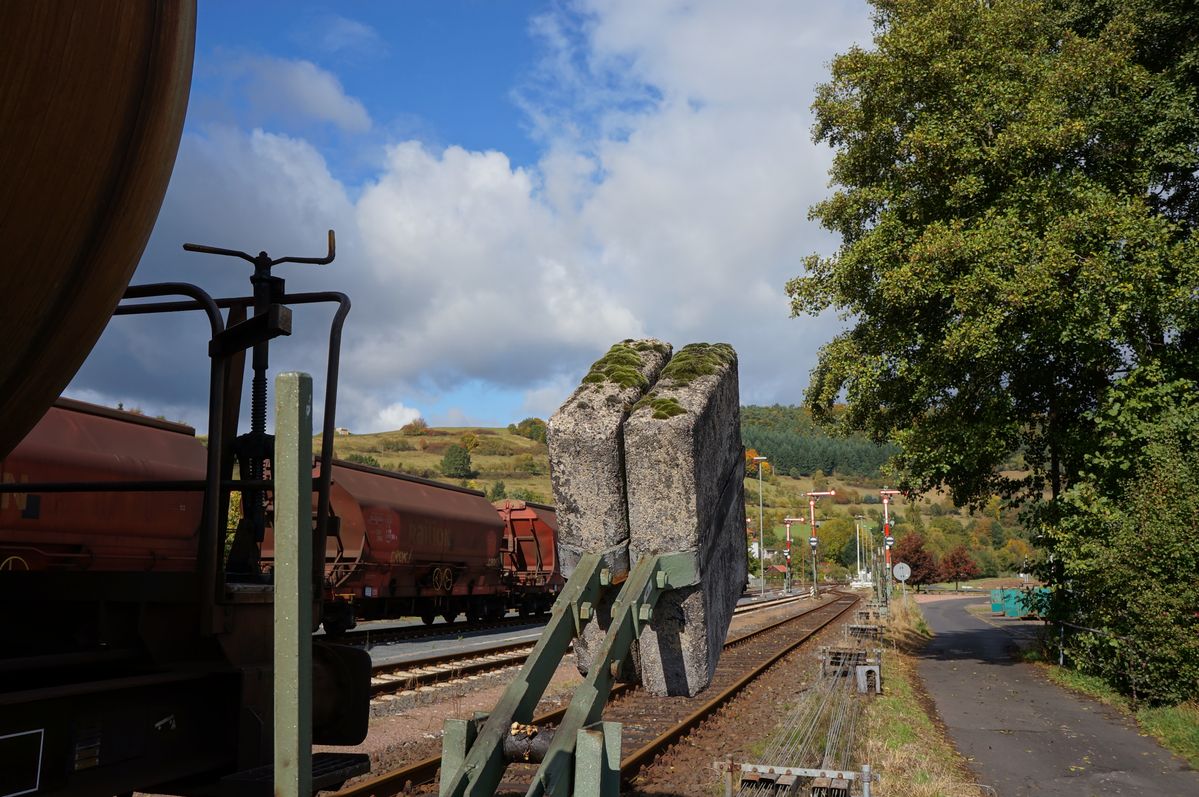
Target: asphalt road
[[1027, 736]]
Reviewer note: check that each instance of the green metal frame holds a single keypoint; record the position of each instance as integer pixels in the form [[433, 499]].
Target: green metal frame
[[584, 757]]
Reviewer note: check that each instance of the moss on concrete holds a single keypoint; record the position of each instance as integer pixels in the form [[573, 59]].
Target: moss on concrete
[[620, 366], [695, 360], [663, 408]]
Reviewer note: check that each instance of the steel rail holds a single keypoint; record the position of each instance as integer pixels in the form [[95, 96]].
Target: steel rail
[[632, 763], [394, 633], [482, 660], [370, 637], [398, 780], [472, 663]]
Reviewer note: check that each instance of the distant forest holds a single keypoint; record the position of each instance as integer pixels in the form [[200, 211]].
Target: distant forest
[[797, 447]]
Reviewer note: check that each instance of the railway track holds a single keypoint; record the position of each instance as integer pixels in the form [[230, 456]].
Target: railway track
[[408, 675], [387, 635], [390, 634], [392, 677], [652, 723]]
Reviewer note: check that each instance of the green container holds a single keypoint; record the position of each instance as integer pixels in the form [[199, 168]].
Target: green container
[[996, 601], [1013, 603]]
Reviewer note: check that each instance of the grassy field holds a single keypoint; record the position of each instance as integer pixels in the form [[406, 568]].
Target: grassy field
[[500, 455]]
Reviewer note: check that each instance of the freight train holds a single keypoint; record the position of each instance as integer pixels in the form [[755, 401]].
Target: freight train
[[398, 546], [137, 648], [137, 634], [402, 546]]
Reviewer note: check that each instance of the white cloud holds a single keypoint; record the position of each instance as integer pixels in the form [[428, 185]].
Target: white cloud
[[393, 416], [671, 201], [294, 89], [339, 34]]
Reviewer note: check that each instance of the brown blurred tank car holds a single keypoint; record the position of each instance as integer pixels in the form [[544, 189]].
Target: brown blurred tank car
[[101, 531]]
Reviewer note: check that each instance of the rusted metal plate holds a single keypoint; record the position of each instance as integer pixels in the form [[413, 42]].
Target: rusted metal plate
[[91, 112]]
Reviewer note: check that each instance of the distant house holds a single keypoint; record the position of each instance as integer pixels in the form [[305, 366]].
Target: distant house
[[341, 430]]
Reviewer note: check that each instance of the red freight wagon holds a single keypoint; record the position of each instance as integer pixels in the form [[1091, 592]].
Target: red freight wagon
[[101, 531], [407, 546], [530, 555]]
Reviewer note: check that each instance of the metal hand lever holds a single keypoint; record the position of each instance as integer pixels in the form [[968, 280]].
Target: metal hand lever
[[263, 259]]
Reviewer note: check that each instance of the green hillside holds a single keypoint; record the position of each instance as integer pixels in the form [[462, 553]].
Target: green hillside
[[514, 463], [496, 455]]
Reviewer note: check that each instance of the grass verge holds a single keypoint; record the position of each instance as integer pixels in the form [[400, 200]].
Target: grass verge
[[902, 741], [1176, 727]]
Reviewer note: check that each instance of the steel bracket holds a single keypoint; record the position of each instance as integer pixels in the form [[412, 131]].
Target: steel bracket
[[584, 757]]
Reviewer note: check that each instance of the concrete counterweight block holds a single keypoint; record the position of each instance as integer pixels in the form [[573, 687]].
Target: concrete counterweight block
[[586, 446], [684, 470]]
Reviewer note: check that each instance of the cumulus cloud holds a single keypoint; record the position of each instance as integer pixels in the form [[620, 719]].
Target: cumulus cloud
[[339, 34], [671, 200], [296, 89]]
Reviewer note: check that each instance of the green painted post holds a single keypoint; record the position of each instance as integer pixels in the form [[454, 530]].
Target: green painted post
[[456, 741], [633, 607], [483, 767], [292, 472], [597, 761]]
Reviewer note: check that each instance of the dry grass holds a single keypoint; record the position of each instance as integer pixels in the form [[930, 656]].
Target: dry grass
[[902, 742]]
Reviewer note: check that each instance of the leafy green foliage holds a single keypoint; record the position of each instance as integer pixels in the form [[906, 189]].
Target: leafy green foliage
[[456, 462], [532, 428], [498, 492], [364, 459], [1016, 181], [1128, 539], [523, 494], [1017, 196]]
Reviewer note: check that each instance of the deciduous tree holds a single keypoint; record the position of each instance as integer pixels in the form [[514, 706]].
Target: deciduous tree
[[1016, 202], [924, 566], [456, 462], [958, 566]]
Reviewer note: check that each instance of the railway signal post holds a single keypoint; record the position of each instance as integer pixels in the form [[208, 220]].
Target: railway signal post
[[761, 525], [787, 521], [812, 498], [888, 540]]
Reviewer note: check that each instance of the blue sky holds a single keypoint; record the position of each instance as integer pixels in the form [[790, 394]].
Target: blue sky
[[437, 70], [515, 185]]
